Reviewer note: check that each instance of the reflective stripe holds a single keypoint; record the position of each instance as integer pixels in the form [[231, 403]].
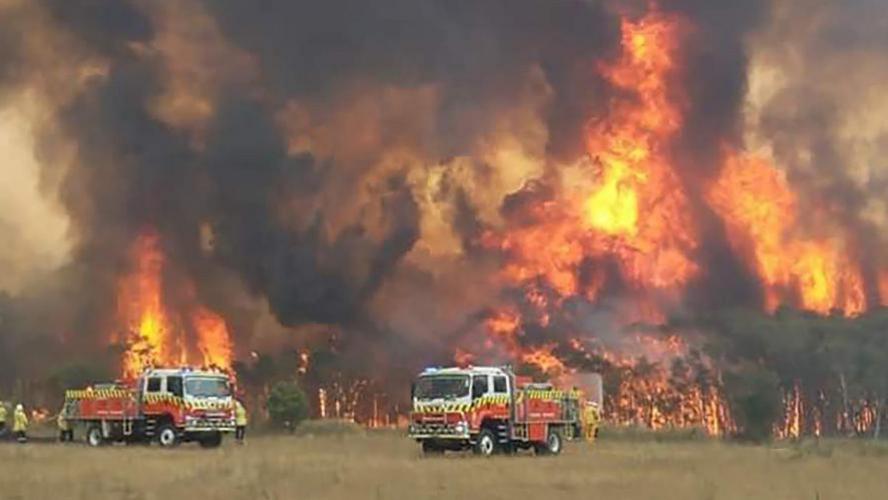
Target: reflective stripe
[[98, 394], [208, 405], [150, 398], [496, 399], [550, 394], [164, 398], [442, 408]]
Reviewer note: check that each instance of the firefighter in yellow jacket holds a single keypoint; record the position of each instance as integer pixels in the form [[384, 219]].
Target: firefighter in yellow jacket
[[20, 424], [240, 421], [591, 421], [66, 433]]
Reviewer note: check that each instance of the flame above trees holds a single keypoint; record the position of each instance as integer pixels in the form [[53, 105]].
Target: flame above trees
[[156, 334], [638, 211], [629, 210], [635, 212], [760, 214], [622, 225]]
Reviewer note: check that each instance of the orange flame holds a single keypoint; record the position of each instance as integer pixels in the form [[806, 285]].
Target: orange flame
[[635, 176], [543, 359], [213, 339], [629, 207], [463, 358], [652, 395], [791, 425], [759, 212], [636, 211], [883, 287], [155, 336], [140, 307]]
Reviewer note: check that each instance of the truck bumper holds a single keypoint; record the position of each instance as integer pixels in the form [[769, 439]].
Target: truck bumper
[[441, 431], [193, 429], [209, 425], [454, 437]]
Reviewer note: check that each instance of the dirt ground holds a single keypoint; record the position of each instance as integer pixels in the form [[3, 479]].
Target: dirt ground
[[383, 465]]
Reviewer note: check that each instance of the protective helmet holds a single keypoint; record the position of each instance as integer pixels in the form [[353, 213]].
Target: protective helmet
[[19, 407]]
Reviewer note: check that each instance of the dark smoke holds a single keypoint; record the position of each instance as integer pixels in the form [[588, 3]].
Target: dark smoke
[[309, 174], [819, 123], [478, 51], [133, 171]]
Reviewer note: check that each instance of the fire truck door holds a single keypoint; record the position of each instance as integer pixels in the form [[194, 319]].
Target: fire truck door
[[502, 387], [480, 386], [152, 386]]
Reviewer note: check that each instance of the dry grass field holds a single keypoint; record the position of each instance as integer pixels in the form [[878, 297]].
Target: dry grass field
[[383, 465]]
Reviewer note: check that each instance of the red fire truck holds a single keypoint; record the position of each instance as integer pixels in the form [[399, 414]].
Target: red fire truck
[[168, 406], [490, 410]]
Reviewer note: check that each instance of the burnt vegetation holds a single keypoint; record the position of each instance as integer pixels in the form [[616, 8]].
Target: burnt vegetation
[[341, 193]]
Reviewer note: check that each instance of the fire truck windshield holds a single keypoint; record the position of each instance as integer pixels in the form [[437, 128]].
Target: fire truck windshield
[[207, 387], [442, 387]]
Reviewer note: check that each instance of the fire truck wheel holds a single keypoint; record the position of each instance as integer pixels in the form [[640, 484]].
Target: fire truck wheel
[[167, 436], [552, 446], [94, 436], [214, 440], [486, 443], [431, 448]]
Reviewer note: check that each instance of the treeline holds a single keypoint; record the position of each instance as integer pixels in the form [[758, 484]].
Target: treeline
[[799, 374]]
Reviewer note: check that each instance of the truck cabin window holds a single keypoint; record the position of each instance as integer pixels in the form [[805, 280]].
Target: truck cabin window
[[153, 384], [479, 386], [441, 387], [174, 386], [499, 385], [207, 387]]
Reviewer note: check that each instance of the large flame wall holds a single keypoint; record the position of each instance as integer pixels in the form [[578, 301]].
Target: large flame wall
[[566, 186]]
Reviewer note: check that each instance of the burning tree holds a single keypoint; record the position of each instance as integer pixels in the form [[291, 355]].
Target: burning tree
[[657, 191]]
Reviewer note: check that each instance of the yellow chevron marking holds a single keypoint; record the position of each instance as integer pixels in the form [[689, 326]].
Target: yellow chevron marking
[[149, 398], [98, 394]]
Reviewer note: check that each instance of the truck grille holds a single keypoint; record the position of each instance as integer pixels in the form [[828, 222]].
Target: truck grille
[[435, 429], [210, 424]]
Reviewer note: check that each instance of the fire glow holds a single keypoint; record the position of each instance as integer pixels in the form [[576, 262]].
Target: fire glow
[[635, 216], [759, 212], [628, 232], [156, 335]]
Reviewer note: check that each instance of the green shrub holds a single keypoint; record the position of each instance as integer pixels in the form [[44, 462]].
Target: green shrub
[[287, 405], [754, 394]]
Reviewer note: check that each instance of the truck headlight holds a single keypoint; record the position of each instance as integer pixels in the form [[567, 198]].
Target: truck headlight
[[460, 428]]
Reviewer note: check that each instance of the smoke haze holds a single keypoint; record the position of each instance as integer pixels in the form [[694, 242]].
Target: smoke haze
[[366, 170]]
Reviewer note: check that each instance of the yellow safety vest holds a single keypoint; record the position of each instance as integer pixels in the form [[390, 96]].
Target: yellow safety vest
[[63, 422], [21, 421], [592, 418], [2, 414], [240, 414]]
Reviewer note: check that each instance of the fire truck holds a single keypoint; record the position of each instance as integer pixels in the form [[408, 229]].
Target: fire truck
[[167, 406], [491, 410]]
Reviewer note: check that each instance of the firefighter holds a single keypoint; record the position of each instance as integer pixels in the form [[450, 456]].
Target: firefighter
[[66, 433], [20, 424], [591, 420], [2, 418], [240, 421]]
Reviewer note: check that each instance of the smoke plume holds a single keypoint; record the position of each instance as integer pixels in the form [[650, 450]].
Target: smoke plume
[[405, 181]]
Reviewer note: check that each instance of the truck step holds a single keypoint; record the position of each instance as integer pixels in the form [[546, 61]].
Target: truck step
[[503, 434]]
